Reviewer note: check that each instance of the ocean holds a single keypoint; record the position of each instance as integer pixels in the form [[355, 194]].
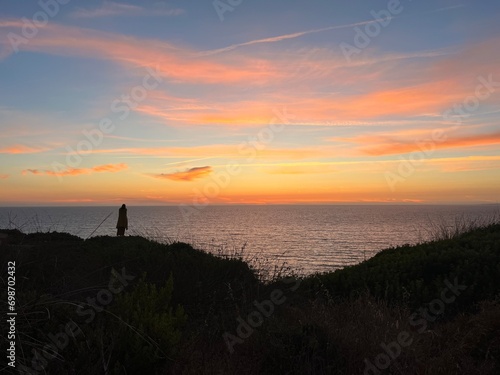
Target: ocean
[[306, 238]]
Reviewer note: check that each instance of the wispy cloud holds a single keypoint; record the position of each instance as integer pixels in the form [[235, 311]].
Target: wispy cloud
[[4, 176], [298, 34], [187, 175], [113, 9], [221, 150], [110, 168], [427, 86], [22, 149], [378, 146], [171, 61], [451, 7], [280, 38], [471, 165], [297, 170]]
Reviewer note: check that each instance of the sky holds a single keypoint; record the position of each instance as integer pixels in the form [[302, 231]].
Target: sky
[[249, 102]]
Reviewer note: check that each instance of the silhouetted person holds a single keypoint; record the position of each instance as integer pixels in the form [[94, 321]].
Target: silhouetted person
[[122, 223]]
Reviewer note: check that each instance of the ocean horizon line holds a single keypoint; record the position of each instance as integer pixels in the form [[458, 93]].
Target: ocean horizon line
[[260, 204]]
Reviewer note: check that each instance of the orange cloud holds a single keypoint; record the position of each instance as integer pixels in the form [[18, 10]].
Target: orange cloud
[[379, 146], [463, 163], [188, 175], [111, 168], [372, 105], [21, 149], [4, 176]]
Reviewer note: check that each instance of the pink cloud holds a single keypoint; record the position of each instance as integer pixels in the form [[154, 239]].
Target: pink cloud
[[175, 62], [428, 82]]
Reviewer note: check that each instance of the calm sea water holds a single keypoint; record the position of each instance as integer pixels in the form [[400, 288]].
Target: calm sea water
[[308, 238]]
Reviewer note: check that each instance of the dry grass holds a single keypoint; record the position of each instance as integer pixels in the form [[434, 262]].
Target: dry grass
[[441, 230], [338, 338]]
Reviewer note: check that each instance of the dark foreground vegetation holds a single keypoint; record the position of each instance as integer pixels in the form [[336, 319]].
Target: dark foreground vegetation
[[132, 306]]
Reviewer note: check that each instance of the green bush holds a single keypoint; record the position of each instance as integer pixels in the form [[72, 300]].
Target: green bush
[[146, 327]]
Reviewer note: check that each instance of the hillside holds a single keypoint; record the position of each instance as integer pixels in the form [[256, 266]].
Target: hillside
[[129, 305]]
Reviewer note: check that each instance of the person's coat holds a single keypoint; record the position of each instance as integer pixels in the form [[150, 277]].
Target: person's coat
[[122, 218]]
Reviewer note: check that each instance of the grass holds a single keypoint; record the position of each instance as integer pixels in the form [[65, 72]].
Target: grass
[[441, 230], [172, 316]]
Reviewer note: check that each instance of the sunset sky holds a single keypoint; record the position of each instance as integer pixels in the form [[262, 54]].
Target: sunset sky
[[261, 101]]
